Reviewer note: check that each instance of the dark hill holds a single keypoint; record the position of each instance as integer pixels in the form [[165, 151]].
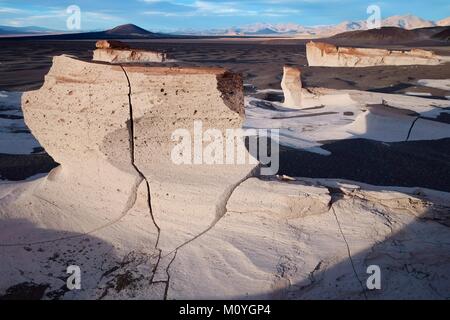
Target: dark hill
[[389, 35], [386, 34], [443, 35], [129, 29]]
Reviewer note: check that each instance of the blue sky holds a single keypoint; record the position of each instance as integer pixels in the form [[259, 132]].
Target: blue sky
[[207, 14]]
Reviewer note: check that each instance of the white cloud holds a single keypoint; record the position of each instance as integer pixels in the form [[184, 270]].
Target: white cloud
[[166, 13], [207, 8], [10, 10], [36, 19], [280, 12], [100, 16], [58, 17]]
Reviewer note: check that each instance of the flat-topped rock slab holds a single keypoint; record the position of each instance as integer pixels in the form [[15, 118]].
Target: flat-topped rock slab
[[321, 54]]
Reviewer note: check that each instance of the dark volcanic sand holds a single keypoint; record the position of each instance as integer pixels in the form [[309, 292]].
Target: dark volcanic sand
[[20, 167], [24, 63], [407, 164], [424, 163]]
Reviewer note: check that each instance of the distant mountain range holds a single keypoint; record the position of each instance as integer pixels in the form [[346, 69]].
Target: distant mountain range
[[292, 29], [31, 30], [131, 31]]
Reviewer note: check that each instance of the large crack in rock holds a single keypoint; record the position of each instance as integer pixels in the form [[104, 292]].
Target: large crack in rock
[[187, 199], [363, 289], [337, 194], [229, 90], [149, 200], [221, 211]]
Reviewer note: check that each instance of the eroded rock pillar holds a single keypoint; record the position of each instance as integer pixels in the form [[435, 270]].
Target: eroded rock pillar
[[292, 87]]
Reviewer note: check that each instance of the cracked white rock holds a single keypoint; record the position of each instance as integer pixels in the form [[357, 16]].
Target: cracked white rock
[[299, 249], [90, 137], [187, 199], [104, 171]]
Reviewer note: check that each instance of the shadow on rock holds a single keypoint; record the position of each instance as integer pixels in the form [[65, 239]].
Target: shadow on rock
[[39, 270]]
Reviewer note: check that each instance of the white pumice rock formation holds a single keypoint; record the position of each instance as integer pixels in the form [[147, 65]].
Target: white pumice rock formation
[[102, 165], [320, 54], [118, 52], [112, 130], [76, 116], [292, 87]]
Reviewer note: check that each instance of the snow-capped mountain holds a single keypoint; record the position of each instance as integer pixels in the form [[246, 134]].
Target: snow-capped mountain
[[444, 22], [407, 22], [290, 29], [252, 29]]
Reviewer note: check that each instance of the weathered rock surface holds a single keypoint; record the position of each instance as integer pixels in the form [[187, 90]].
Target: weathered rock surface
[[119, 52], [90, 136], [320, 54], [77, 124], [315, 239], [110, 148], [292, 87]]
